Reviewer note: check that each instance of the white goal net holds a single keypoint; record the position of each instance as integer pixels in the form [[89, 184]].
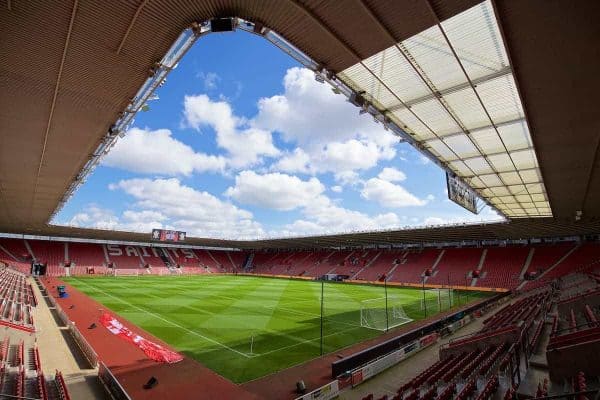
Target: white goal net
[[125, 272], [375, 315], [437, 300]]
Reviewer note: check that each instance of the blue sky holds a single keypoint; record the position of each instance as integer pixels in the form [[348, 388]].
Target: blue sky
[[244, 143]]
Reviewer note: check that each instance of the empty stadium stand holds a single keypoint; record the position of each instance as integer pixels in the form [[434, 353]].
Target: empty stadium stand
[[86, 254], [482, 365], [47, 252], [21, 374], [502, 267], [507, 267], [17, 300], [413, 265], [455, 266]]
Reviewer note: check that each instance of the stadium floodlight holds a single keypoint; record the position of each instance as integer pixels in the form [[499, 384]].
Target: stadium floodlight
[[319, 78]]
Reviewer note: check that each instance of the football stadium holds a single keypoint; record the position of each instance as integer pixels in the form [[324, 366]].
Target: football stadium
[[354, 199]]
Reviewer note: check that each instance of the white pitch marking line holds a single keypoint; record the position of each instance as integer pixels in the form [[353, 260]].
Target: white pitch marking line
[[168, 321], [306, 341]]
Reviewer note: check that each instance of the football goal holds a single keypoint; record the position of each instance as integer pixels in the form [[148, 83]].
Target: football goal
[[125, 272], [437, 300], [375, 315]]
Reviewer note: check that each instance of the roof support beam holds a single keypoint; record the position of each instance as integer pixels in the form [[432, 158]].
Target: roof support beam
[[135, 16], [464, 71], [403, 51], [53, 104], [481, 128], [500, 172], [461, 86]]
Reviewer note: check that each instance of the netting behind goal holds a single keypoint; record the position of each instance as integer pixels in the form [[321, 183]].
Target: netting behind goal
[[125, 272], [375, 315], [437, 300]]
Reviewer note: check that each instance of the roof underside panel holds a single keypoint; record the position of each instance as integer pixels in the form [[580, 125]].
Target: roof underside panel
[[451, 87]]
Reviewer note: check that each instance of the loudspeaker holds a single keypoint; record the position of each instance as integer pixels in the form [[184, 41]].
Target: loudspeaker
[[300, 387], [151, 383], [92, 326]]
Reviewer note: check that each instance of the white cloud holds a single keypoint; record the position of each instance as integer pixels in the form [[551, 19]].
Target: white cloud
[[392, 175], [324, 216], [336, 157], [275, 191], [168, 203], [94, 217], [389, 194], [157, 152], [320, 214], [309, 112], [246, 145], [351, 155], [297, 161], [328, 130], [347, 178], [486, 215], [337, 189]]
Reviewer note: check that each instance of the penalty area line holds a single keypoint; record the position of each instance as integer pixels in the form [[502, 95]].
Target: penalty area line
[[166, 320]]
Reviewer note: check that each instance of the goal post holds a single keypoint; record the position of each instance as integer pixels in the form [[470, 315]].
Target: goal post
[[375, 315], [125, 272], [437, 300]]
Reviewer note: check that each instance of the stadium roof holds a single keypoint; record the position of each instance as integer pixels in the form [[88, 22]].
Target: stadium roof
[[451, 87], [502, 94]]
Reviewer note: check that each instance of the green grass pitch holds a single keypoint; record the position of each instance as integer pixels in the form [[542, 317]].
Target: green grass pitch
[[247, 327]]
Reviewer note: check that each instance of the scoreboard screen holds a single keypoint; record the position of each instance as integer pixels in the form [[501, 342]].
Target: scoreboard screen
[[164, 235], [461, 194]]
